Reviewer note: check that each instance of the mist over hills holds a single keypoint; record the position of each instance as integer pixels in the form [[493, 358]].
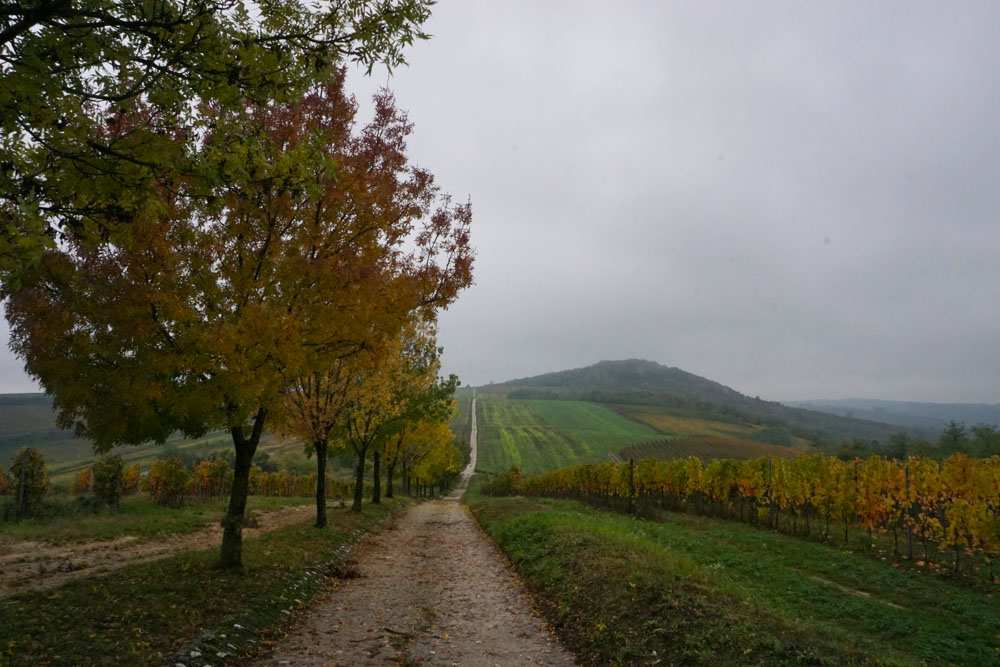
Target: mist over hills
[[642, 382], [29, 420], [911, 414]]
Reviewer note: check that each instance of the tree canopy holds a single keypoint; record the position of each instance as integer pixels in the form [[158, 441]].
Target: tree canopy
[[71, 70], [316, 239]]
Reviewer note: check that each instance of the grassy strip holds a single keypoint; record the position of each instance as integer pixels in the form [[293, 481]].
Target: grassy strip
[[65, 520], [693, 590], [181, 607]]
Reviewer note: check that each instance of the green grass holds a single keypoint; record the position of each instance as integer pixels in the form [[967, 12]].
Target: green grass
[[65, 520], [692, 590], [540, 435], [145, 614]]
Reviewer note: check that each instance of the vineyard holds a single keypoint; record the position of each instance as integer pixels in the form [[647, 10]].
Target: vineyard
[[705, 447], [676, 422], [538, 435], [951, 510]]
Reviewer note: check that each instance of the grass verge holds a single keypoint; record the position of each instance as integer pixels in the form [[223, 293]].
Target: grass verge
[[182, 607], [692, 590], [64, 519]]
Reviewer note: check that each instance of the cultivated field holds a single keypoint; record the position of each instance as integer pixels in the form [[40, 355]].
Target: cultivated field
[[705, 447], [674, 422], [540, 435]]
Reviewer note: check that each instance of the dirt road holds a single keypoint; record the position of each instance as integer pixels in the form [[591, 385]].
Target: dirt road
[[430, 589], [32, 565]]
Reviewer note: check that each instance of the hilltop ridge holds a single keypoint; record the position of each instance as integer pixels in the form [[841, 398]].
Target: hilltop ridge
[[644, 382]]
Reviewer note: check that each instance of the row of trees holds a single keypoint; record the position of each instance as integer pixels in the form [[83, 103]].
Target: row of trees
[[979, 440], [195, 235], [433, 460], [953, 504]]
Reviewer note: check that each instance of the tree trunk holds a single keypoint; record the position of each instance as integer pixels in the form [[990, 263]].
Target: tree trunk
[[320, 446], [231, 555], [377, 472], [390, 469], [359, 479]]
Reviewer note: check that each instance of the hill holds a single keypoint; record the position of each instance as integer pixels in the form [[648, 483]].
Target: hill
[[639, 382], [28, 420], [909, 414]]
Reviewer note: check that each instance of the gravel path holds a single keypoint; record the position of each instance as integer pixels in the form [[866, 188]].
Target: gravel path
[[430, 589]]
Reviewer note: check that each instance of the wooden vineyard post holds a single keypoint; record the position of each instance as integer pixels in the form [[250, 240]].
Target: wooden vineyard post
[[20, 492], [631, 483], [909, 515], [770, 492]]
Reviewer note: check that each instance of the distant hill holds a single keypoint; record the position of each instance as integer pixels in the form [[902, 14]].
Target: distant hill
[[641, 382], [28, 419], [910, 414]]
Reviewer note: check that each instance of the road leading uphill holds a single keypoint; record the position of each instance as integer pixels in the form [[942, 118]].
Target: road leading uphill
[[429, 589]]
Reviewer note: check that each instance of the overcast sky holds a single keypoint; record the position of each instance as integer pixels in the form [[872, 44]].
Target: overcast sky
[[796, 199]]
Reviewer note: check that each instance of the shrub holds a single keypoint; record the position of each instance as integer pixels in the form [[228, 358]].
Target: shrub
[[108, 476], [167, 481], [130, 479], [505, 484], [28, 468], [83, 481], [6, 484]]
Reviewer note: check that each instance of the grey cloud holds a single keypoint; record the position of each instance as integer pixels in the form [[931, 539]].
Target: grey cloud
[[795, 199]]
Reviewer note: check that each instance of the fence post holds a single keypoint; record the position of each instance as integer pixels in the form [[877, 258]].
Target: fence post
[[770, 492], [909, 516], [20, 493], [631, 483]]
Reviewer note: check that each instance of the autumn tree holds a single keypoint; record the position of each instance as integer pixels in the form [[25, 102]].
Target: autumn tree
[[70, 68], [315, 404], [201, 316], [419, 394], [421, 442], [370, 412]]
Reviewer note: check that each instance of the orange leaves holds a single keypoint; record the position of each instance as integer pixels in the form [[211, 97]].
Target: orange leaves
[[167, 481], [84, 479], [956, 504]]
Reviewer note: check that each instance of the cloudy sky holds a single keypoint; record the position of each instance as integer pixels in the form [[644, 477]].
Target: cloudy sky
[[798, 200]]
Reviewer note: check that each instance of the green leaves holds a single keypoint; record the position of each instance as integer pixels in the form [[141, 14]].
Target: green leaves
[[72, 70]]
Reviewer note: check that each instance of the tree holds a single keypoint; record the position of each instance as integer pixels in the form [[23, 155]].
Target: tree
[[953, 438], [898, 446], [317, 239], [369, 413], [986, 441], [315, 404], [418, 395], [70, 68]]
